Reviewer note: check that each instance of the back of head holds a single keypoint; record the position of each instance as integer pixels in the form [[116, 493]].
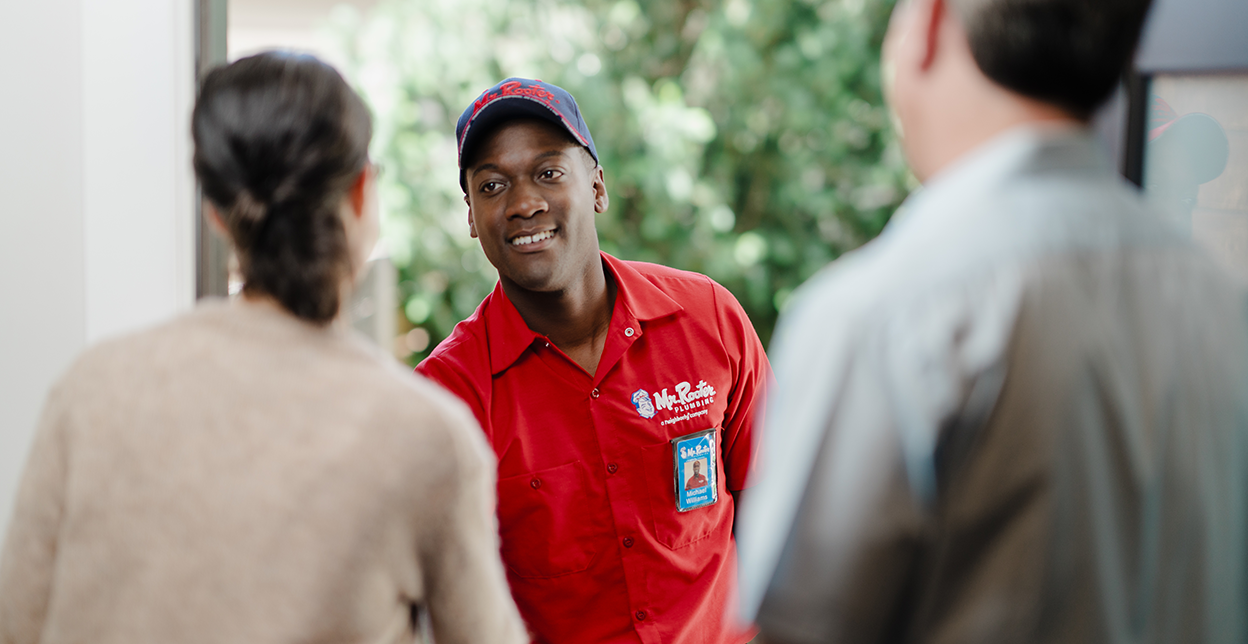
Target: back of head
[[279, 139], [1069, 53]]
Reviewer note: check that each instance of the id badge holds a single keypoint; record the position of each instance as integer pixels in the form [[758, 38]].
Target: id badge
[[694, 458]]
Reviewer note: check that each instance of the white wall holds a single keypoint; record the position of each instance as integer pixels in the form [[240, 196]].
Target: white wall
[[96, 235], [42, 278], [138, 89]]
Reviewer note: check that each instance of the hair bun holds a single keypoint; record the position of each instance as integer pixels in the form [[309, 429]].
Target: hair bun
[[247, 208], [246, 216]]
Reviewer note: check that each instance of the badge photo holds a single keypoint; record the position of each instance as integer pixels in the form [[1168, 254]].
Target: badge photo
[[694, 459]]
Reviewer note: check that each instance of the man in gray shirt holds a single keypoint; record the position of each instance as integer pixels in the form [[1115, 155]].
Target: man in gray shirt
[[1020, 414]]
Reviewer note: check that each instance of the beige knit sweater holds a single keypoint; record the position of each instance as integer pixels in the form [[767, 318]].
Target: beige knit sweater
[[238, 475]]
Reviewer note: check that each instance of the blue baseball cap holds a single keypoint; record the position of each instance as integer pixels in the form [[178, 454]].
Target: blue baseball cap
[[519, 98]]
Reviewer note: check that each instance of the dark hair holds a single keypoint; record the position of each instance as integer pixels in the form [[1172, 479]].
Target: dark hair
[[279, 139], [1070, 53]]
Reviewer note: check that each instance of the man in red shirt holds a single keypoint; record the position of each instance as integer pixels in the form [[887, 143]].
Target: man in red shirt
[[595, 379]]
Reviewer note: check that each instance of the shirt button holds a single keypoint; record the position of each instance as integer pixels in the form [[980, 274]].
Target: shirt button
[[535, 483], [628, 542], [594, 394], [640, 615], [612, 467], [629, 332]]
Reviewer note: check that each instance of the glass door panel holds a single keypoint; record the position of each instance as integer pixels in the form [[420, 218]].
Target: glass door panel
[[1196, 160]]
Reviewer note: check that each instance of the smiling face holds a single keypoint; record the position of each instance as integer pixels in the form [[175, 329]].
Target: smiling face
[[532, 196]]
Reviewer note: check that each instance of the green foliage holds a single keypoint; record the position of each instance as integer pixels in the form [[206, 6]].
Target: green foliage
[[746, 140]]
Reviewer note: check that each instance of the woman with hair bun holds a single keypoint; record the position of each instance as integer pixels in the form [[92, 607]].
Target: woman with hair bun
[[252, 471]]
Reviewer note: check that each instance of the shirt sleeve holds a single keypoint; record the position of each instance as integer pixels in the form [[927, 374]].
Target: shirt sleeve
[[751, 377], [468, 594], [28, 559]]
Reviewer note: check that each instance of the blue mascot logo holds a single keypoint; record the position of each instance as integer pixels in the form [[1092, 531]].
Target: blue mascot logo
[[641, 400]]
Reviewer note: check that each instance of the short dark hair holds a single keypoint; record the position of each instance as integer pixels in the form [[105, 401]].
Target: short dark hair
[[279, 139], [1070, 53]]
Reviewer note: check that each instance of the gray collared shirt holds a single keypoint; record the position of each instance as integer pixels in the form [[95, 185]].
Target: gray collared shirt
[[1019, 415]]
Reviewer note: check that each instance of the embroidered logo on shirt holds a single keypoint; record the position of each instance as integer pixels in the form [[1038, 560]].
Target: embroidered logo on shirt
[[641, 400], [687, 401], [686, 395]]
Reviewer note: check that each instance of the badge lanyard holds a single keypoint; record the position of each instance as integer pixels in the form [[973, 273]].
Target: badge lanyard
[[694, 460]]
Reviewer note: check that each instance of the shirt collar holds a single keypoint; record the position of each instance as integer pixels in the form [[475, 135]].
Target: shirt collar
[[642, 300], [509, 337], [1023, 150]]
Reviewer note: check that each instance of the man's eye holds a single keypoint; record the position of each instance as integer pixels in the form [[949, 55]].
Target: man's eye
[[489, 186], [550, 174]]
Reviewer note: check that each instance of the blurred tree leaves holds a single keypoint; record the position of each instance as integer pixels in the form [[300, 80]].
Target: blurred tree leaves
[[743, 139]]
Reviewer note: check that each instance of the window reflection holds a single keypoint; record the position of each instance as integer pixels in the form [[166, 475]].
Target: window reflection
[[1196, 160]]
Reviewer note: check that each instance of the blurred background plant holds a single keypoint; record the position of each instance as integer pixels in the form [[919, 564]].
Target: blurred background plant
[[742, 139]]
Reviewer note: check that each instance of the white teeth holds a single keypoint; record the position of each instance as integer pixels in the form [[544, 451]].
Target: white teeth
[[529, 239]]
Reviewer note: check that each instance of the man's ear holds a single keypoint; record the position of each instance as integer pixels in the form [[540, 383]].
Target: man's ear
[[932, 16], [472, 225], [601, 199]]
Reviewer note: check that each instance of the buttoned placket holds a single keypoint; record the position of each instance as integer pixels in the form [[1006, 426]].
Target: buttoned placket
[[622, 486]]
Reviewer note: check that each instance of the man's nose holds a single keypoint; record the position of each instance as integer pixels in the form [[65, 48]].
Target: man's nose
[[526, 201]]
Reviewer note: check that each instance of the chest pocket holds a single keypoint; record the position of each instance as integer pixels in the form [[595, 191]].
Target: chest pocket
[[676, 529], [548, 525]]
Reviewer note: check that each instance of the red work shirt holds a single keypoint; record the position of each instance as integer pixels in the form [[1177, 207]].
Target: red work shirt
[[595, 548]]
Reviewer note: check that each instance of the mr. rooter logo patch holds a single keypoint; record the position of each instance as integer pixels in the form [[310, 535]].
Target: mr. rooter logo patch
[[683, 397]]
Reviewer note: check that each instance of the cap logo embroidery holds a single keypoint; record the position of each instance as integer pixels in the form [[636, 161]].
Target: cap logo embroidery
[[513, 88]]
